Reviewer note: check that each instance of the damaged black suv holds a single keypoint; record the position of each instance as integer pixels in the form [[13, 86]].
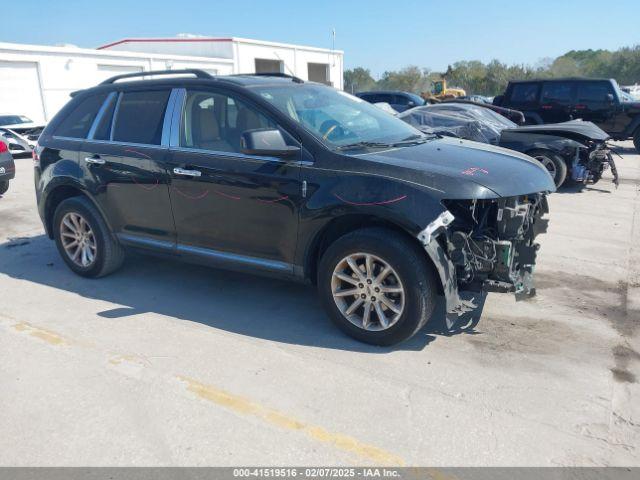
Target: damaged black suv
[[270, 174]]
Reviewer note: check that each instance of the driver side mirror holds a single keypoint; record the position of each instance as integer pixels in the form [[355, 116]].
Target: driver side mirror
[[609, 97], [266, 141], [411, 104]]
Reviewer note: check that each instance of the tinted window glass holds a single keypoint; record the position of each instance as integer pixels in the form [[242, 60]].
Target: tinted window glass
[[140, 116], [216, 122], [103, 131], [78, 122], [556, 92], [524, 93], [593, 91]]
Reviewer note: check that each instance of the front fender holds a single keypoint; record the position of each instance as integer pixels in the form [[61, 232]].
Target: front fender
[[527, 142]]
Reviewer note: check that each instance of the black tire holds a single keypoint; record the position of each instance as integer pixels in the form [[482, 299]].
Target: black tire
[[4, 186], [109, 253], [559, 165], [410, 262], [636, 140]]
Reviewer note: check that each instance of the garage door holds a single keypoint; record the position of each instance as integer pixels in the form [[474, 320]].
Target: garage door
[[20, 90]]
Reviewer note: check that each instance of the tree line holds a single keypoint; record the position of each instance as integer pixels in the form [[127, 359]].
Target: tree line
[[491, 78]]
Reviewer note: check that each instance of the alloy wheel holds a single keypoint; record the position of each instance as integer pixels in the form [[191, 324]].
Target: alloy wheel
[[368, 291], [78, 240]]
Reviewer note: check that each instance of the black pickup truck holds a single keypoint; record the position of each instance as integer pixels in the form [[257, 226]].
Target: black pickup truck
[[558, 100]]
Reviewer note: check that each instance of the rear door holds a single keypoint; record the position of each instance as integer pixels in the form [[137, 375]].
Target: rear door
[[124, 162], [226, 204], [557, 101]]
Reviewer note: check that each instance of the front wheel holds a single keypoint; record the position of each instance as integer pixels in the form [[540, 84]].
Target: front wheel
[[377, 286], [554, 163], [4, 186]]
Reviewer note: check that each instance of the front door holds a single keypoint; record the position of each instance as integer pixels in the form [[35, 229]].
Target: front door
[[126, 167], [595, 102], [228, 205]]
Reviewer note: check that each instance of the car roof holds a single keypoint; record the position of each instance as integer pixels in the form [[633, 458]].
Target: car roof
[[561, 79]]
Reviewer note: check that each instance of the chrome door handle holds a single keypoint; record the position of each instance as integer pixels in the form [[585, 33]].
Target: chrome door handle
[[187, 173], [95, 160]]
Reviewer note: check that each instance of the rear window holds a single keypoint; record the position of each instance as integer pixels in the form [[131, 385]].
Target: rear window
[[593, 91], [79, 121], [525, 92], [140, 116], [556, 92]]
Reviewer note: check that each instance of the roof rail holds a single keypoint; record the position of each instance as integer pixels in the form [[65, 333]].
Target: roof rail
[[274, 74], [194, 71]]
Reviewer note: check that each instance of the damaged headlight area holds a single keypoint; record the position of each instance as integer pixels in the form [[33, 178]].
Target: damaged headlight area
[[486, 245]]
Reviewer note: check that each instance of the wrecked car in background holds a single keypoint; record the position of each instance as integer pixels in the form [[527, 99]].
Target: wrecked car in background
[[575, 149], [22, 126], [18, 145], [516, 116]]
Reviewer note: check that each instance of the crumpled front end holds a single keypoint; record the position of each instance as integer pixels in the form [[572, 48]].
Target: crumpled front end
[[591, 161], [485, 246]]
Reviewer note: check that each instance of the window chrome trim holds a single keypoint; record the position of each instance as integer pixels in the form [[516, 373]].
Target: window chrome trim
[[168, 118], [176, 117], [128, 144], [233, 155], [115, 116], [101, 112]]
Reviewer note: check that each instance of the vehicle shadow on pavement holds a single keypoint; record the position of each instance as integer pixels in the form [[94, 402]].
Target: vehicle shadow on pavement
[[604, 186], [244, 304]]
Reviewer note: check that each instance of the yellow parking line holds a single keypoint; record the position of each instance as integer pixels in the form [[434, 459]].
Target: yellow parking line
[[46, 335], [244, 406]]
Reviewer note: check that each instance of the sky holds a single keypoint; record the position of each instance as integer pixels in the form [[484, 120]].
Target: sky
[[379, 35]]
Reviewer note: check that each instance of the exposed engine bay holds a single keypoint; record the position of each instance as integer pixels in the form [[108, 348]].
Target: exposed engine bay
[[486, 246], [491, 242]]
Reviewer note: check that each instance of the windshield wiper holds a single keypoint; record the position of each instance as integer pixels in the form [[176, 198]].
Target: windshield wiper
[[350, 146]]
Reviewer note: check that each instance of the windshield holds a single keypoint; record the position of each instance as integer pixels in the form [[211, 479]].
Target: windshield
[[335, 117], [13, 119]]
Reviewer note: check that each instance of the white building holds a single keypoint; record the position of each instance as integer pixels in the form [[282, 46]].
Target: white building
[[36, 80]]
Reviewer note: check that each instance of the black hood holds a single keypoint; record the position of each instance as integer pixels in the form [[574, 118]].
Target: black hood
[[574, 128], [456, 168]]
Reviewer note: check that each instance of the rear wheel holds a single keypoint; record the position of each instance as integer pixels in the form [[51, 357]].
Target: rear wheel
[[636, 140], [554, 163], [84, 240], [4, 186], [377, 286]]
